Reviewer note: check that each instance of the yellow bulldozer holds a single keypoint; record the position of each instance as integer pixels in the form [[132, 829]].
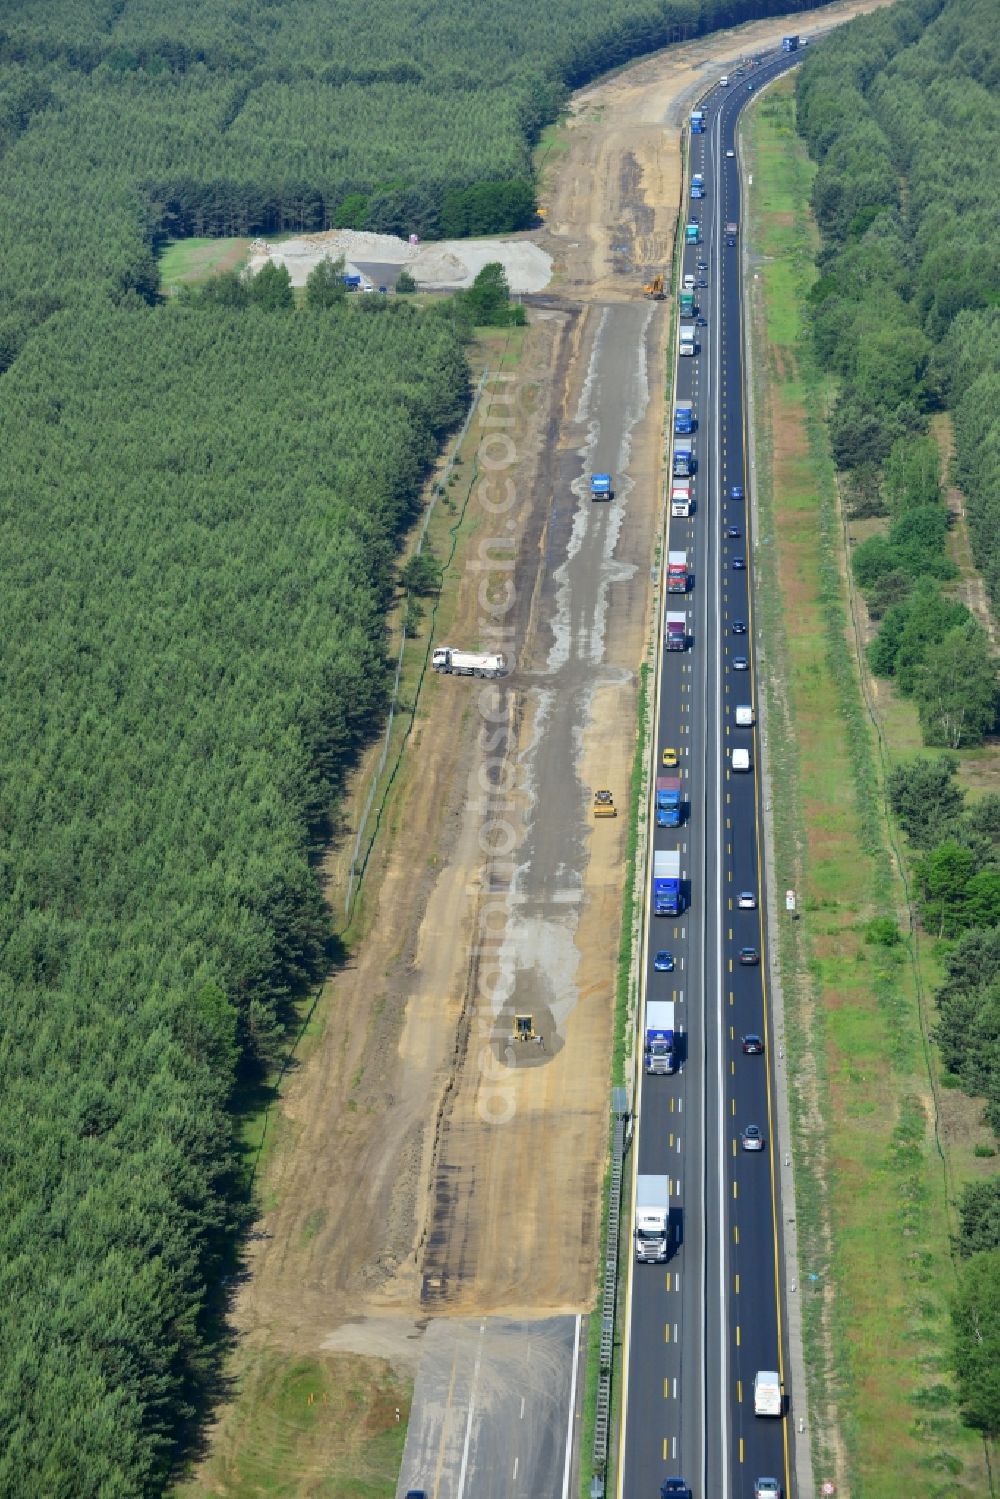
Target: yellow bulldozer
[[655, 289], [604, 804]]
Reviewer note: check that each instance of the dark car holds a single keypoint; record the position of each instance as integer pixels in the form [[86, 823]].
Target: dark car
[[730, 241], [734, 533], [753, 1046], [736, 493], [739, 564], [739, 628], [751, 1138], [664, 961], [416, 1494], [702, 282], [701, 321], [703, 265], [740, 663], [674, 1488], [749, 957]]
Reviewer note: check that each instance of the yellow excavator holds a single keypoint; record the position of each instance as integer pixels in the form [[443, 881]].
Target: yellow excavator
[[655, 289]]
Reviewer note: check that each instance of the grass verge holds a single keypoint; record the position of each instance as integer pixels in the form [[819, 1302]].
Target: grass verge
[[192, 260], [327, 1428], [623, 1035], [873, 1215]]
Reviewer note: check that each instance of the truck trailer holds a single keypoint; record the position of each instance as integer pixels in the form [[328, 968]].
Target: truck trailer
[[467, 663], [698, 121], [683, 460], [683, 417], [676, 638], [680, 499], [660, 1050], [677, 572], [687, 339], [668, 802], [652, 1219], [667, 882], [789, 44], [768, 1399]]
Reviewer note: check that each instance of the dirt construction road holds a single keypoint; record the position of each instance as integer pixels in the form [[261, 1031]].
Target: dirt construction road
[[427, 1165]]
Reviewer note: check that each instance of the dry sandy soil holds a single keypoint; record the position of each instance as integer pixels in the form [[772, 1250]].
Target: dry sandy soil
[[383, 1124], [442, 265]]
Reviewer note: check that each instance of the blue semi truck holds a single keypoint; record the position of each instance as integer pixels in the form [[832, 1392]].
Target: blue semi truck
[[660, 1049], [667, 882], [600, 487], [668, 802], [683, 418]]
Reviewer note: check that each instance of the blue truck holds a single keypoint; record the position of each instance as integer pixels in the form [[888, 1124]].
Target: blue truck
[[683, 460], [600, 487], [660, 1050], [683, 417], [697, 122], [667, 882], [789, 44], [698, 185], [668, 802]]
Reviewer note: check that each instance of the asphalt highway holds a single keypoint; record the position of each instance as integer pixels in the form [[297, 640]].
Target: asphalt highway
[[700, 1326]]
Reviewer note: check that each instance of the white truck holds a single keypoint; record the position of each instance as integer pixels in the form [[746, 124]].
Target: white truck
[[744, 716], [652, 1219], [687, 334], [767, 1397], [680, 500], [467, 663], [741, 760]]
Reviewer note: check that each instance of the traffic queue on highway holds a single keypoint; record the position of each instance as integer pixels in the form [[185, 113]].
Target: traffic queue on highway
[[704, 1310]]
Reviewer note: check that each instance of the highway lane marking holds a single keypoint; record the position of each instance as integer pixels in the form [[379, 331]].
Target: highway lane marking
[[739, 1392], [736, 1190], [734, 1149], [568, 1465], [732, 1107], [741, 1449], [666, 1332], [522, 1407], [516, 1462], [736, 1234], [665, 1439], [463, 1471], [737, 1334], [736, 1286], [666, 1387], [444, 1424]]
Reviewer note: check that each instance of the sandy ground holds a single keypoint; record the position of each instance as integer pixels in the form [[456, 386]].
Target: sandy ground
[[393, 1196], [442, 265]]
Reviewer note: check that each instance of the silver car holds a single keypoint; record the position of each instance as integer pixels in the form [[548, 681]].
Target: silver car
[[752, 1139]]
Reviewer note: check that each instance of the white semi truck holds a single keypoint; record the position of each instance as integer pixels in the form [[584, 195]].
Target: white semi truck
[[467, 663], [652, 1219], [768, 1399]]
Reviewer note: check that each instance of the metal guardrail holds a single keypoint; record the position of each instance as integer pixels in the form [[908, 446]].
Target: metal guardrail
[[609, 1298]]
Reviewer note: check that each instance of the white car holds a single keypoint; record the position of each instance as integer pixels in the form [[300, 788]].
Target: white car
[[766, 1488], [730, 152], [746, 901]]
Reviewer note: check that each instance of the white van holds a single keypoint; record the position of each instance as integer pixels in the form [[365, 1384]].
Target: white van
[[741, 759], [724, 80], [688, 283], [767, 1396], [744, 716]]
